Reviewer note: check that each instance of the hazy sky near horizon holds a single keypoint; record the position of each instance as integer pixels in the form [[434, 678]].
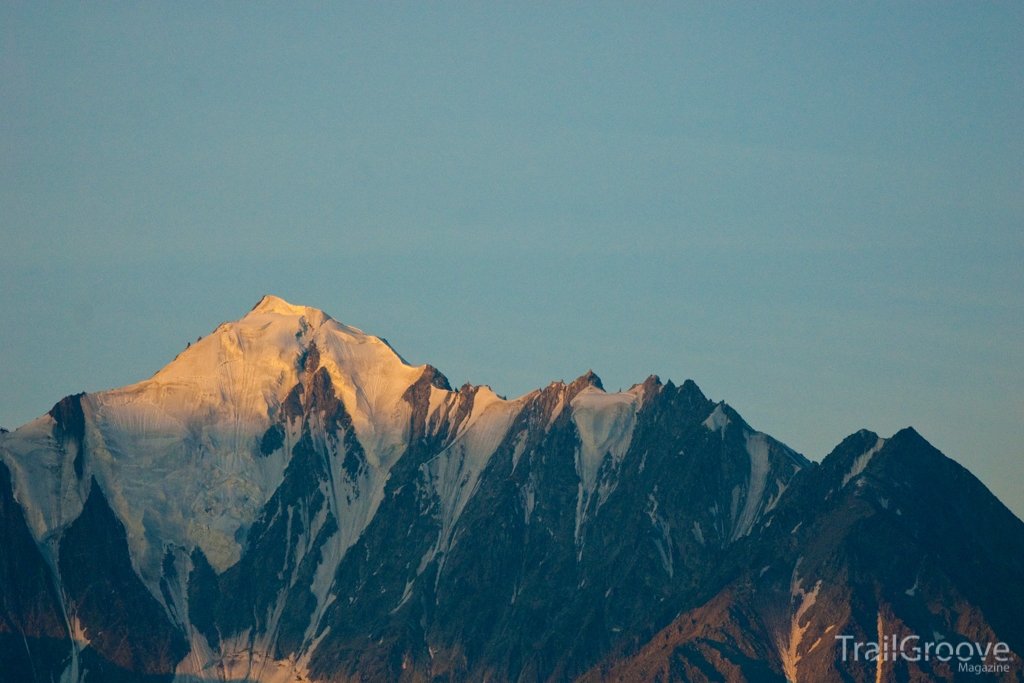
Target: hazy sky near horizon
[[814, 210]]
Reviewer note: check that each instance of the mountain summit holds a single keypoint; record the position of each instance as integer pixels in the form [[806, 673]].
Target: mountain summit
[[289, 500]]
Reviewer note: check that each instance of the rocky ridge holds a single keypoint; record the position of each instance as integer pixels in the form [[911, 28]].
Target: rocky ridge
[[290, 500]]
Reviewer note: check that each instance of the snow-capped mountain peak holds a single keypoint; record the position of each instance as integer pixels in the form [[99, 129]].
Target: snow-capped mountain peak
[[288, 499], [178, 455]]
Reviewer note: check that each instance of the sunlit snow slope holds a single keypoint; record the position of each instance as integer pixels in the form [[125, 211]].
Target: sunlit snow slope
[[177, 455], [288, 485]]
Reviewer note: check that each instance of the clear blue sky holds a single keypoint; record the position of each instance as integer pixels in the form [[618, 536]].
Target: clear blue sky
[[815, 210]]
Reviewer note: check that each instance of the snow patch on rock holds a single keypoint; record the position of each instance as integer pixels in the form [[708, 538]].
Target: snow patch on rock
[[605, 424], [44, 479], [663, 542], [757, 449], [454, 473], [789, 641], [717, 421], [861, 461]]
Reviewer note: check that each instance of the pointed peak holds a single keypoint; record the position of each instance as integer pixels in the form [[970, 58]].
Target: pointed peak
[[271, 304], [650, 385], [690, 386], [910, 434], [852, 455], [647, 388], [587, 380], [436, 378], [910, 447]]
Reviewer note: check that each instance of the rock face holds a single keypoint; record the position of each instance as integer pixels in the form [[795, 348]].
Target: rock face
[[290, 501], [885, 538]]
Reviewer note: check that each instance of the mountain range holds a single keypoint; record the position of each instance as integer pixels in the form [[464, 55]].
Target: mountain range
[[289, 500]]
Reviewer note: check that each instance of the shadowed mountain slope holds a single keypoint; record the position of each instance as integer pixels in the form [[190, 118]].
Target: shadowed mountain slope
[[289, 500]]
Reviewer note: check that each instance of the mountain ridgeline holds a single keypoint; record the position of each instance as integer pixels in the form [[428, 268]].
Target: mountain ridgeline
[[288, 500]]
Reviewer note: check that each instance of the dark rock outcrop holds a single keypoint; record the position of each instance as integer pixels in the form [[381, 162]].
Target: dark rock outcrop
[[34, 642], [443, 536], [127, 628]]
